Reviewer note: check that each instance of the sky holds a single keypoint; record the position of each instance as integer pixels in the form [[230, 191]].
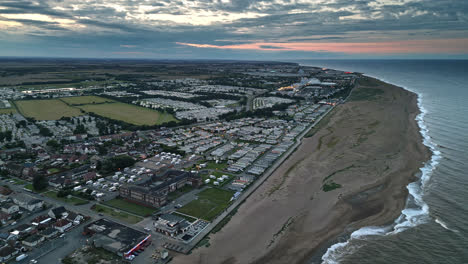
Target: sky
[[235, 29]]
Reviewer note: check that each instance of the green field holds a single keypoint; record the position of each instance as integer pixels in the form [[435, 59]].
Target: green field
[[210, 203], [131, 219], [79, 100], [72, 200], [130, 207], [217, 174], [51, 109], [7, 111], [129, 113], [211, 165]]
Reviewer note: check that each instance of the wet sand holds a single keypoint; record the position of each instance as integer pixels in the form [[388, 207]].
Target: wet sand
[[370, 145]]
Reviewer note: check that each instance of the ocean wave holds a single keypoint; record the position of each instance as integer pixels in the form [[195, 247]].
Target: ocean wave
[[416, 211]]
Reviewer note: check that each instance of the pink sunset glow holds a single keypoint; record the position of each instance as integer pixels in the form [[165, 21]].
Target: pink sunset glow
[[448, 46]]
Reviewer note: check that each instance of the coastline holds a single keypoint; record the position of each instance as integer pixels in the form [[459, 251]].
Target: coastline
[[290, 224]]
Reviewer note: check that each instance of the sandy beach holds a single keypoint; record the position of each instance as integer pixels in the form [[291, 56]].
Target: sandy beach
[[370, 146]]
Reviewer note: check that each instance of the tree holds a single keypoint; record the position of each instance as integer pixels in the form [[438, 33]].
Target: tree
[[44, 131], [102, 149], [80, 129], [53, 144], [40, 182]]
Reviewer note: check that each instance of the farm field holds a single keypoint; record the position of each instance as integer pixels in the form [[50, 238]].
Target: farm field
[[79, 100], [130, 207], [210, 203], [129, 113], [50, 109]]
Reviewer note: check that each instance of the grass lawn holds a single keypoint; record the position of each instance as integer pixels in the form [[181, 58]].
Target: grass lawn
[[79, 100], [217, 174], [125, 205], [7, 111], [131, 219], [129, 113], [53, 170], [18, 181], [31, 188], [211, 165], [210, 203], [179, 192], [73, 200], [52, 109]]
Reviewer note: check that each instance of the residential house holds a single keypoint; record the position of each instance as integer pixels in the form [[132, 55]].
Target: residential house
[[41, 221], [58, 212], [4, 193], [25, 229], [74, 218], [62, 225], [4, 218], [7, 253], [28, 202], [9, 208], [34, 240], [49, 232]]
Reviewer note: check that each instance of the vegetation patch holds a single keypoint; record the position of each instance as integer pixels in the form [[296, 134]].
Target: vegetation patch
[[282, 230], [186, 217], [50, 109], [330, 186], [5, 111], [131, 114], [72, 200], [133, 208], [131, 219], [210, 203], [338, 171], [179, 192], [333, 141], [82, 100]]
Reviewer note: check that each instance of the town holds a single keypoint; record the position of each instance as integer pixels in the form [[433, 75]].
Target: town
[[137, 162]]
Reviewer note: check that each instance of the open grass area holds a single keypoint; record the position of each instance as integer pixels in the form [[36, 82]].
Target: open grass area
[[50, 109], [31, 188], [131, 219], [80, 100], [17, 181], [129, 113], [4, 111], [72, 200], [125, 205], [210, 203], [211, 165], [217, 174], [179, 192]]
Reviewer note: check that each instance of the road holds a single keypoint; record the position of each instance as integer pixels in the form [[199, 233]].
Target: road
[[52, 251], [251, 188]]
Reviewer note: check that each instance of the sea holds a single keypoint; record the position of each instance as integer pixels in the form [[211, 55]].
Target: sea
[[433, 228]]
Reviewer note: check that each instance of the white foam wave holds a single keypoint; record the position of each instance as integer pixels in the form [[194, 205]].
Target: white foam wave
[[416, 211], [444, 225]]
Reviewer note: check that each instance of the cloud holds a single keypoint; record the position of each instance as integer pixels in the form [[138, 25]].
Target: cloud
[[239, 25], [448, 46], [128, 46]]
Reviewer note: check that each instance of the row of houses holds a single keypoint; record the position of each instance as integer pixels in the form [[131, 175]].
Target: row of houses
[[44, 227]]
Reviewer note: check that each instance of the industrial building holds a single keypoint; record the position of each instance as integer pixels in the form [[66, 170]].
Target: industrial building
[[154, 191], [116, 238]]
